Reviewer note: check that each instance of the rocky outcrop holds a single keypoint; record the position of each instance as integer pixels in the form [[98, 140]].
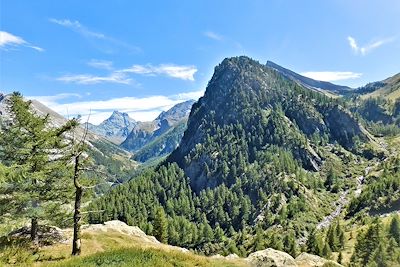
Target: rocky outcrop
[[271, 258], [309, 260]]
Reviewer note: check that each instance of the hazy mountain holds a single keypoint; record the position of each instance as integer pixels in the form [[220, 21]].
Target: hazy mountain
[[308, 82], [116, 128], [158, 137]]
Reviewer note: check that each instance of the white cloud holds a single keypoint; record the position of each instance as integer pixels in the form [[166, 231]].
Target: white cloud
[[363, 50], [101, 64], [122, 76], [54, 98], [9, 40], [77, 27], [114, 77], [171, 70], [331, 76], [213, 35], [142, 109], [189, 95]]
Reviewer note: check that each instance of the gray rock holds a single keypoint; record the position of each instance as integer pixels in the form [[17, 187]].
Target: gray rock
[[271, 258]]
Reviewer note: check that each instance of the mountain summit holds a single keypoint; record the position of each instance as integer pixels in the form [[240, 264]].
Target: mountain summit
[[116, 128]]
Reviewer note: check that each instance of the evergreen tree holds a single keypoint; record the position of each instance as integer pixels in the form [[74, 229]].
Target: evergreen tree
[[289, 243], [394, 229], [35, 152], [326, 251], [160, 227], [314, 243]]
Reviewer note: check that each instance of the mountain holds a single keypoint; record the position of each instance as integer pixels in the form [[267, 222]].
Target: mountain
[[116, 128], [159, 137], [308, 82], [378, 104], [258, 108], [388, 89], [264, 162]]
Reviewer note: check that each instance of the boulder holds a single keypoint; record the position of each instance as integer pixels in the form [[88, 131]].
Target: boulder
[[271, 258], [309, 260]]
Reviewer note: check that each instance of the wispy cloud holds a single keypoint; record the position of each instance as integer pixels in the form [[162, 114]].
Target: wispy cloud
[[79, 28], [122, 76], [141, 109], [101, 64], [331, 76], [363, 50], [171, 70], [213, 35], [8, 40], [114, 77]]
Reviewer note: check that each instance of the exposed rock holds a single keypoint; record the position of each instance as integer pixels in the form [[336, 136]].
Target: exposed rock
[[232, 256], [122, 228], [271, 258], [309, 260], [48, 235]]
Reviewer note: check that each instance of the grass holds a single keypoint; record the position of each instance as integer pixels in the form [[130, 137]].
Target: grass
[[142, 257], [108, 248]]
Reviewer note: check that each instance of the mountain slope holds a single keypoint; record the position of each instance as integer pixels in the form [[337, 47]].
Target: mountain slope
[[388, 89], [308, 82], [116, 128], [261, 161], [258, 108], [161, 136]]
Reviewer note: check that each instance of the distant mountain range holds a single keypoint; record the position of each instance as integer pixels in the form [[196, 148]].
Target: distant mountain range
[[116, 128], [149, 139], [159, 137]]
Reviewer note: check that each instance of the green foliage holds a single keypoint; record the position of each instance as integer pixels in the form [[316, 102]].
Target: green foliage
[[315, 244], [376, 246], [394, 228], [381, 191], [160, 226], [37, 181]]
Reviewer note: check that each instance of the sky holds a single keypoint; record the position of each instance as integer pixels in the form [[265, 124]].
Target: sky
[[142, 57]]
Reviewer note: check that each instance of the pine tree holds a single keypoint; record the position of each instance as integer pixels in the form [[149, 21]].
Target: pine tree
[[35, 152], [326, 251], [394, 229], [160, 226], [314, 243], [289, 243]]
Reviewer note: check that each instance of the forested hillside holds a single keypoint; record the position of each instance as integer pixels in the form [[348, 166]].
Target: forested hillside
[[260, 164]]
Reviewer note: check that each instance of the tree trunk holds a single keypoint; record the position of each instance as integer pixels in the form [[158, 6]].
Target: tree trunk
[[76, 242], [34, 231]]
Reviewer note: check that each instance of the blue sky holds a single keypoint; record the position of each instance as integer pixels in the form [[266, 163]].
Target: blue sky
[[142, 57]]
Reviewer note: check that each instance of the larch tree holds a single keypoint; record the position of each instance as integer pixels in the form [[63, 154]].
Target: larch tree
[[34, 152]]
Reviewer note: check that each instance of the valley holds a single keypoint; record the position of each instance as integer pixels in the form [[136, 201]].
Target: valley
[[268, 167]]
